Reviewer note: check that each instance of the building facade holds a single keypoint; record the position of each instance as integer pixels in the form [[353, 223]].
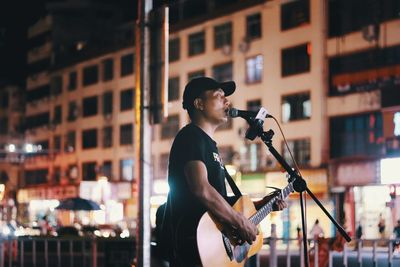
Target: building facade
[[331, 84]]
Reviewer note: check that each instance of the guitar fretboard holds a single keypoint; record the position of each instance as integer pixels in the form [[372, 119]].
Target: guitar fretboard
[[267, 208]]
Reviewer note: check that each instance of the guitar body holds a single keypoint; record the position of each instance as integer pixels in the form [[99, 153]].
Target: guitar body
[[212, 249]]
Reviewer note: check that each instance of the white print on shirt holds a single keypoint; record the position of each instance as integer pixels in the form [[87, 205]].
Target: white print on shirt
[[218, 159]]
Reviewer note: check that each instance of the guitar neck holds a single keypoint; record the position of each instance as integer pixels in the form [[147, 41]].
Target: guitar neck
[[267, 208]]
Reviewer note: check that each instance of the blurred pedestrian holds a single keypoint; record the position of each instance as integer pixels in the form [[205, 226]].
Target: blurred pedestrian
[[316, 230], [381, 226], [396, 234], [359, 231]]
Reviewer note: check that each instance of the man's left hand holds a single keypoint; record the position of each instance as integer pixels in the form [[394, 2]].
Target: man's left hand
[[279, 204]]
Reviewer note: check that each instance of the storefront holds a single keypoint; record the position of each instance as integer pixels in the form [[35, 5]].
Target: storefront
[[289, 219]]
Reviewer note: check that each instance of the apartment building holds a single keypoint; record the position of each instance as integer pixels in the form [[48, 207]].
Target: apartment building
[[11, 138], [363, 110], [298, 59]]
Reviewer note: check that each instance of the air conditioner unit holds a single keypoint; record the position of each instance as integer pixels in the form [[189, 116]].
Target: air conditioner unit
[[244, 45], [107, 117], [370, 32], [226, 49]]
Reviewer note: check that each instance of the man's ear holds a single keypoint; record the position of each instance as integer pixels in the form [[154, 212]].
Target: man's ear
[[198, 103]]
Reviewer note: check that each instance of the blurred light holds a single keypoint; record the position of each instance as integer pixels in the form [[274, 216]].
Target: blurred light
[[6, 231], [28, 148], [161, 187], [158, 200], [2, 190], [11, 148], [231, 170], [390, 171], [124, 234]]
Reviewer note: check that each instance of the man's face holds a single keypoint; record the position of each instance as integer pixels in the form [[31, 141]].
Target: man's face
[[215, 106]]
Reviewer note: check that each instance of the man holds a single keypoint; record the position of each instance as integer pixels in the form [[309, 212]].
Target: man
[[196, 173]]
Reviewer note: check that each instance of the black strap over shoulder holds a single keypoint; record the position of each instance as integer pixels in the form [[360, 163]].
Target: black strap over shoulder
[[232, 184]]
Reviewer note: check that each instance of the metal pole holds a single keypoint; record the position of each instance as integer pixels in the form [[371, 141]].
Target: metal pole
[[359, 255], [22, 253], [288, 253], [94, 253], [71, 254], [272, 246], [316, 248], [34, 252], [2, 252], [46, 253], [374, 260], [58, 253], [143, 134]]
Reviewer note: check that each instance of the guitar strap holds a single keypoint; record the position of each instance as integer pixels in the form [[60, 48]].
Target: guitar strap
[[232, 184]]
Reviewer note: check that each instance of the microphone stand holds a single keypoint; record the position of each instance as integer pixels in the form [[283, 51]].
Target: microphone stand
[[299, 183]]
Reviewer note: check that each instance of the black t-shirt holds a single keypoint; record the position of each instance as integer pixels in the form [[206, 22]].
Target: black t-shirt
[[190, 144]]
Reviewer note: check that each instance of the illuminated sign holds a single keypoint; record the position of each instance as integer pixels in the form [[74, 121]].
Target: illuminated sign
[[396, 121], [390, 171]]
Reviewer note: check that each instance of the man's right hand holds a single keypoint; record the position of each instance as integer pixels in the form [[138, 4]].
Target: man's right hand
[[244, 231]]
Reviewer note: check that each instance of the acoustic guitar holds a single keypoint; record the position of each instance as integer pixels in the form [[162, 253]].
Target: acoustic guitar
[[216, 249]]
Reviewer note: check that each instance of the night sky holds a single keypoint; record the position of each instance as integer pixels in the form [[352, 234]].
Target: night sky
[[15, 17]]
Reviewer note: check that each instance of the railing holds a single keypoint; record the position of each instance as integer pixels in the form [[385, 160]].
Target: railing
[[369, 252], [68, 251]]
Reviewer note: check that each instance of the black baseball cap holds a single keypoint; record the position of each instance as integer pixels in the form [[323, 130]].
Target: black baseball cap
[[197, 86]]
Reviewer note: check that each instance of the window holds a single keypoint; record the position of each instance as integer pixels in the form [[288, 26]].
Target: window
[[38, 93], [3, 126], [301, 151], [89, 139], [358, 135], [70, 142], [106, 169], [173, 89], [296, 107], [344, 16], [223, 35], [57, 175], [252, 157], [108, 69], [57, 115], [34, 177], [107, 103], [89, 171], [72, 81], [253, 105], [253, 26], [254, 69], [107, 136], [226, 153], [56, 85], [170, 127], [90, 75], [126, 134], [57, 143], [90, 106], [126, 169], [174, 49], [72, 111], [296, 60], [223, 72], [294, 14], [127, 99], [196, 43], [196, 74], [127, 65], [38, 120]]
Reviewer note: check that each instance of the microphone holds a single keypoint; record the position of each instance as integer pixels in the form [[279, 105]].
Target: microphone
[[245, 114]]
